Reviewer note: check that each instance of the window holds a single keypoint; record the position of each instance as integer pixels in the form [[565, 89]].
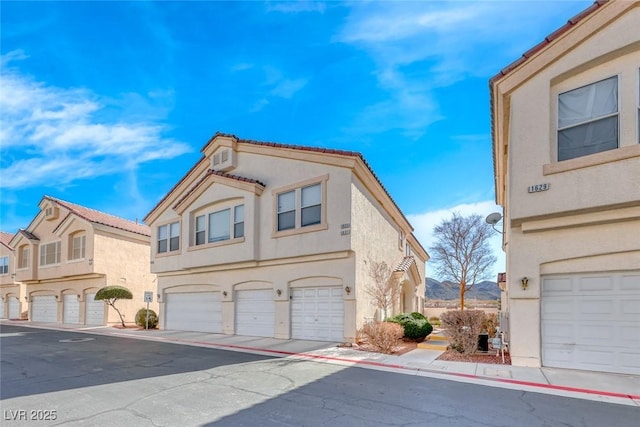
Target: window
[[638, 105], [23, 257], [169, 237], [588, 119], [4, 265], [300, 206], [201, 230], [400, 239], [311, 208], [78, 244], [407, 251], [286, 210], [50, 253], [221, 224]]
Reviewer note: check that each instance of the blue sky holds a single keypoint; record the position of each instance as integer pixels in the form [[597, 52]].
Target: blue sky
[[107, 104]]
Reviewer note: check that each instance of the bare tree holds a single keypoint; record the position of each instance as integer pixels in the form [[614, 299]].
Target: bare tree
[[383, 289], [461, 253]]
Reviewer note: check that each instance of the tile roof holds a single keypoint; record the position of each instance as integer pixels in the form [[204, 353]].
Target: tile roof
[[547, 40], [315, 150], [28, 235], [217, 173], [405, 264], [5, 238], [283, 146], [528, 54], [97, 217]]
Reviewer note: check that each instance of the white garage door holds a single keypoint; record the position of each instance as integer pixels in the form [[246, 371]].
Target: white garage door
[[44, 308], [255, 313], [195, 311], [93, 310], [591, 322], [317, 314], [70, 309], [14, 308]]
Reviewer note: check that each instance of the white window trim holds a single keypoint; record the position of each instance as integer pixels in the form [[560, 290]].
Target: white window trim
[[2, 273], [211, 210], [558, 129], [72, 237], [42, 246], [168, 252], [297, 187], [21, 257]]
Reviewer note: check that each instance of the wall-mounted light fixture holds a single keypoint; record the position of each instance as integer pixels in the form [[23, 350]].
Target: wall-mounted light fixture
[[224, 294], [525, 283], [279, 292], [347, 289]]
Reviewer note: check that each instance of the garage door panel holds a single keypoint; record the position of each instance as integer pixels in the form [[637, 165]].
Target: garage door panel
[[94, 310], [194, 311], [317, 314], [14, 308], [593, 284], [595, 327], [70, 309], [551, 286], [255, 313], [44, 308]]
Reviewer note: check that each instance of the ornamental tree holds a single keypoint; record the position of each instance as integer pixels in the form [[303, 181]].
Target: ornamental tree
[[111, 294]]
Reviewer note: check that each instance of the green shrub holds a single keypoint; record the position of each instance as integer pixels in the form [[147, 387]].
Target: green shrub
[[141, 318], [434, 320], [414, 328], [417, 315]]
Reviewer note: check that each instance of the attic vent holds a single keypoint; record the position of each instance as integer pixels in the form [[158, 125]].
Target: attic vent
[[225, 155], [216, 159], [51, 213]]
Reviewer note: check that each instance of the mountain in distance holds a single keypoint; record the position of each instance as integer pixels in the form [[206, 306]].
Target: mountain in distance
[[445, 290]]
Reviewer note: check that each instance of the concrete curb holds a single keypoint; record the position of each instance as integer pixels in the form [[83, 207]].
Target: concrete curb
[[570, 391]]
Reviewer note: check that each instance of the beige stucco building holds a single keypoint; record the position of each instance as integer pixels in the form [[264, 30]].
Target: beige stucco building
[[274, 240], [11, 292], [67, 253], [566, 132]]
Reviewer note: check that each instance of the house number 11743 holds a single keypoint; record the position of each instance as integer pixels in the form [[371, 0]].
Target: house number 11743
[[538, 187]]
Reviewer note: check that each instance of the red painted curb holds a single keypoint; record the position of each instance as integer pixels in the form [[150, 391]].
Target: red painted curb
[[359, 362], [456, 374]]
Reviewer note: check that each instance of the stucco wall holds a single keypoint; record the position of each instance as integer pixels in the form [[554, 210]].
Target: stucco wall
[[589, 218], [292, 273], [374, 238]]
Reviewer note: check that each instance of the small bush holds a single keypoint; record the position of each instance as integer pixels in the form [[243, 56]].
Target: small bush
[[382, 335], [462, 329], [434, 320], [415, 328], [490, 324], [141, 318]]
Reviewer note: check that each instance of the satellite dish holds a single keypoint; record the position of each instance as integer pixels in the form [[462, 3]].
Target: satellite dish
[[493, 218]]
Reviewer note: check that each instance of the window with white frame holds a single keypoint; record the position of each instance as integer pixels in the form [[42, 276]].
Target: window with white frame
[[292, 215], [221, 225], [400, 239], [77, 246], [588, 119], [23, 256], [4, 265], [407, 250], [169, 237], [50, 253]]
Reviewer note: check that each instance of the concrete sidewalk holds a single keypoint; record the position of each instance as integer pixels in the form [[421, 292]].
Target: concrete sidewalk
[[613, 388]]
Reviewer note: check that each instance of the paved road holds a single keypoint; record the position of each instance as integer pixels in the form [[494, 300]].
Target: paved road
[[95, 380]]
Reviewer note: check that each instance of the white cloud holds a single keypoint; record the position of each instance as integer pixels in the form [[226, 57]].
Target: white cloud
[[422, 46], [296, 6], [286, 88], [424, 223], [53, 135]]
